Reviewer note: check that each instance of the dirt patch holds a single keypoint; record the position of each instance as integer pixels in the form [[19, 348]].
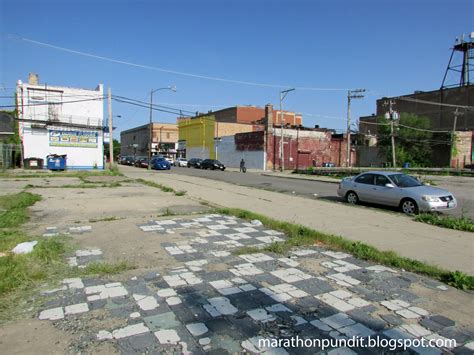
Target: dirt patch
[[33, 337], [448, 303]]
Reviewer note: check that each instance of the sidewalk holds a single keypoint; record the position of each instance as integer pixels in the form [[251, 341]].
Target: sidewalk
[[449, 249], [289, 175]]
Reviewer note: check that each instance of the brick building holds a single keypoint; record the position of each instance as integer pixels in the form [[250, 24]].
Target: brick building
[[234, 134], [441, 118], [135, 142]]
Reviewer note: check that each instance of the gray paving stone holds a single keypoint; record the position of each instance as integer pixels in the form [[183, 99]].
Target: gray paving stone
[[143, 342], [260, 279], [392, 319], [368, 293], [166, 320], [243, 327], [314, 286], [363, 318], [245, 301], [445, 322], [455, 333], [431, 325], [98, 304]]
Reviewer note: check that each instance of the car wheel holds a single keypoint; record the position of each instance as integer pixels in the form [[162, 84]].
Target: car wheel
[[408, 206], [352, 198]]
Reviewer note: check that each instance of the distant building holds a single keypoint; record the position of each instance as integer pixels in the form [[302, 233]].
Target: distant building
[[6, 126], [251, 115], [136, 141], [61, 120], [441, 118], [230, 135]]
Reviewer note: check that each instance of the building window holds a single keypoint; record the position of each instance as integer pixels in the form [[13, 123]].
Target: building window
[[133, 137], [168, 135]]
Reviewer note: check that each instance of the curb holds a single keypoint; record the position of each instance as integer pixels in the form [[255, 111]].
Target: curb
[[300, 178]]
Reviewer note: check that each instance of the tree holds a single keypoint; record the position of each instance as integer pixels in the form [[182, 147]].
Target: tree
[[116, 148], [412, 139]]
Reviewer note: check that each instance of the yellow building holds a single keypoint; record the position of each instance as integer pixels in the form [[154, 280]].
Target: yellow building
[[199, 137]]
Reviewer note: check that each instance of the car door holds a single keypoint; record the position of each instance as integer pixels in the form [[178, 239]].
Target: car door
[[363, 186], [382, 194]]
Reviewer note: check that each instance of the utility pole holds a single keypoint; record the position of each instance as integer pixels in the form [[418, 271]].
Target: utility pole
[[150, 142], [351, 94], [453, 134], [282, 123], [392, 116], [150, 131], [111, 130]]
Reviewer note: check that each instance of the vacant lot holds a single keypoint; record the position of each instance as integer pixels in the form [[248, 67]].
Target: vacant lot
[[194, 287]]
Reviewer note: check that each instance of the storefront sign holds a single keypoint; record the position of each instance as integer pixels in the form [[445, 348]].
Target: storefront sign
[[73, 139]]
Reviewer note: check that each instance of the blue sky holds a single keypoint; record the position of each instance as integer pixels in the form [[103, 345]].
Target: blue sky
[[388, 47]]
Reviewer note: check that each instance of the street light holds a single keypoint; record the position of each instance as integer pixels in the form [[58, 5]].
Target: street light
[[150, 143], [282, 119]]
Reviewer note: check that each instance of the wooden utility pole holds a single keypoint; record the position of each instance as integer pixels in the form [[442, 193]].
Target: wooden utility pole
[[351, 94], [111, 130], [453, 134]]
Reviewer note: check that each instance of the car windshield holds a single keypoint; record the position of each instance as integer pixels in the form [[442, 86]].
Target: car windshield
[[402, 180]]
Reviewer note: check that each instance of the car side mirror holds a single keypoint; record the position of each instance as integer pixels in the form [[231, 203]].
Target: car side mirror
[[389, 185]]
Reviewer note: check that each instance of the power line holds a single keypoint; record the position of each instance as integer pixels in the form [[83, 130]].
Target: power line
[[148, 104], [198, 76], [52, 103]]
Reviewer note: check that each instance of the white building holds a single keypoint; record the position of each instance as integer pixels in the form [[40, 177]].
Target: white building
[[61, 120]]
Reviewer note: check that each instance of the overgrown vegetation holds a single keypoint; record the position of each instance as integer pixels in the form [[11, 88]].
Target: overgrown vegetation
[[463, 223], [104, 268], [180, 193], [412, 146], [13, 208], [158, 186], [299, 235], [104, 219]]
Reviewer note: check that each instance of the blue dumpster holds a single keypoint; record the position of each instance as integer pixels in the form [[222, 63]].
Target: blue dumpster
[[406, 165], [56, 162]]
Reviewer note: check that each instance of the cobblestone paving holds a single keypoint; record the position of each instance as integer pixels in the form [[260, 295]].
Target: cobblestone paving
[[200, 308]]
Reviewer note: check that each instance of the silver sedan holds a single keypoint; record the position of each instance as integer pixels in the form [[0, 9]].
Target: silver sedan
[[397, 190]]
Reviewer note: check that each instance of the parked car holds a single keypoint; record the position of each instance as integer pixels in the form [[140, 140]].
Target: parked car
[[195, 163], [397, 190], [128, 161], [160, 164], [328, 165], [141, 163], [169, 160], [212, 164], [180, 162]]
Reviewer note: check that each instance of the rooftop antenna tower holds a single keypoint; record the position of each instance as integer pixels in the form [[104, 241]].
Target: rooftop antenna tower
[[461, 72]]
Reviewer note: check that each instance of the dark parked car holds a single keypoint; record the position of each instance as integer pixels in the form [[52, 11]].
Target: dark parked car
[[194, 162], [128, 161], [160, 164], [212, 164], [141, 163]]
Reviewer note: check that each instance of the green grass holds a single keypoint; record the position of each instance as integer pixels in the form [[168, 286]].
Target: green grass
[[47, 174], [87, 185], [462, 223], [104, 268], [246, 250], [180, 193], [25, 271], [299, 235], [13, 208], [105, 219], [156, 185]]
